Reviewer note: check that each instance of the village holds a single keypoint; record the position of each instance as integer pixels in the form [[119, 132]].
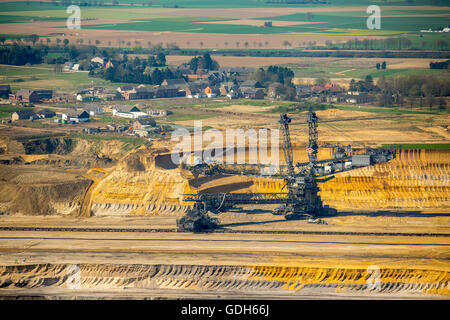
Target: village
[[139, 119]]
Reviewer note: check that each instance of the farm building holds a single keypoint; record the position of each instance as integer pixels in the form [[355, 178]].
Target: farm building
[[25, 96], [144, 122], [22, 114], [131, 112], [45, 113], [75, 116], [177, 83]]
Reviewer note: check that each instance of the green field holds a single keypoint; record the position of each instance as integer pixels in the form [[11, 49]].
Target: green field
[[43, 77], [428, 146], [331, 24], [158, 18], [353, 68], [6, 111]]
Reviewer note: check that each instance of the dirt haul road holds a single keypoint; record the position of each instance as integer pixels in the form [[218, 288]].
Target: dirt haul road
[[229, 263]]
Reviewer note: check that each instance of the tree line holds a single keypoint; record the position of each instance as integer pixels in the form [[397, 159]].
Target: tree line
[[152, 70], [21, 55], [203, 62], [282, 75], [422, 90]]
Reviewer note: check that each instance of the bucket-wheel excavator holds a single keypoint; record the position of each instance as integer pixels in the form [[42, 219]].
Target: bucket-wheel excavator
[[301, 180]]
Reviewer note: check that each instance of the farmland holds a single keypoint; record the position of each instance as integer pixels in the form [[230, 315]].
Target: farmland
[[195, 28]]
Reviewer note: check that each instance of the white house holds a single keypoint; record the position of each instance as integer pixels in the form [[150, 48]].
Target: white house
[[98, 60], [75, 116], [131, 112]]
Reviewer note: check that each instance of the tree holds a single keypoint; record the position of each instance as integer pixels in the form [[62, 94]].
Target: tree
[[97, 42], [378, 66], [58, 41], [2, 39], [442, 103], [161, 59], [286, 43], [246, 44], [383, 65], [201, 44], [66, 42], [34, 38]]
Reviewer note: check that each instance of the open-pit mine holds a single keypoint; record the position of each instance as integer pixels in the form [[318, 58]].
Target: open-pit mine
[[99, 221]]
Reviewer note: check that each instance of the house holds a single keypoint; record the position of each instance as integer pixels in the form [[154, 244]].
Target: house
[[131, 112], [109, 94], [5, 90], [71, 66], [356, 97], [251, 84], [22, 114], [98, 60], [176, 83], [252, 93], [125, 88], [166, 92], [68, 66], [91, 130], [194, 90], [45, 113], [185, 69], [158, 113], [143, 123], [194, 77], [25, 96], [332, 88], [230, 90], [303, 91], [63, 97], [94, 110], [87, 97], [44, 94], [318, 89], [75, 116], [140, 92], [211, 91], [272, 90], [109, 64]]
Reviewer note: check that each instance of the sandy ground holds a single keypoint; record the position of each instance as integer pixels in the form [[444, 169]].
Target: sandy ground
[[231, 264]]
